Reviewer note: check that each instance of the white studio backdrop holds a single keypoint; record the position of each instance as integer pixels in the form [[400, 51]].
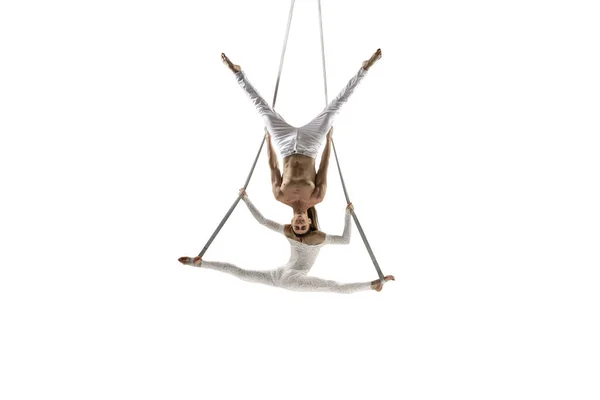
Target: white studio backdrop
[[470, 152]]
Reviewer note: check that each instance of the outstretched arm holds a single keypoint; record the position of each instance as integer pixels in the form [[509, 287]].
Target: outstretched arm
[[274, 167], [345, 238], [274, 226], [321, 180]]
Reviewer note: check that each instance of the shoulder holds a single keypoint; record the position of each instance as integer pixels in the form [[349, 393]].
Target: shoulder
[[316, 237], [319, 234]]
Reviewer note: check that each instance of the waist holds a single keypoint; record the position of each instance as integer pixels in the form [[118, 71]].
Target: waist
[[299, 183], [310, 153]]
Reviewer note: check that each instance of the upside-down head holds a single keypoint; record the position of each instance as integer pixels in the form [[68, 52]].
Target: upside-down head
[[304, 222]]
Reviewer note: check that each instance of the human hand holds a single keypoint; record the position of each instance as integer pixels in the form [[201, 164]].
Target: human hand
[[350, 207], [330, 134]]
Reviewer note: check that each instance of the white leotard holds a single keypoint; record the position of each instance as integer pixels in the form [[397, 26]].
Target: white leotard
[[293, 275]]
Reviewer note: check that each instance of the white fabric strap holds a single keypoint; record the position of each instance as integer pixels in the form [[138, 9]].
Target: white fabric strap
[[285, 41], [237, 200], [323, 53], [337, 161]]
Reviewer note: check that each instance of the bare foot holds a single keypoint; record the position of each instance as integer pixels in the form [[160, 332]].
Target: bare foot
[[230, 65], [377, 285], [369, 63], [195, 262]]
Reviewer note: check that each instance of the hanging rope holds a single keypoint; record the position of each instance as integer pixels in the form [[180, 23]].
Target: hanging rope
[[262, 143], [337, 161], [323, 54], [285, 40]]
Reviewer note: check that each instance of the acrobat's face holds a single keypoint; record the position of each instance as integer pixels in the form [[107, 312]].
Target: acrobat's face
[[301, 223]]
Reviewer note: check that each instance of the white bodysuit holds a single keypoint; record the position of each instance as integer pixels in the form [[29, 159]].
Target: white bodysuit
[[306, 139], [293, 275]]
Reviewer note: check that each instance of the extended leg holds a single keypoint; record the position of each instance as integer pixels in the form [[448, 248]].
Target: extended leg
[[320, 125], [337, 103], [263, 277], [263, 108], [283, 134], [303, 283]]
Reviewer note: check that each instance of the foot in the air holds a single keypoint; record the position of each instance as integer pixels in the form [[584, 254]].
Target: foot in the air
[[369, 63], [378, 285], [234, 68], [195, 262]]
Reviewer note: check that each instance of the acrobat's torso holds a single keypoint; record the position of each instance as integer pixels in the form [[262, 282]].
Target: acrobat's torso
[[298, 182], [302, 256]]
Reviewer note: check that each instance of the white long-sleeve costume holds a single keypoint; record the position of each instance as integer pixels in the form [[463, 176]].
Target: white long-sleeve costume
[[293, 275]]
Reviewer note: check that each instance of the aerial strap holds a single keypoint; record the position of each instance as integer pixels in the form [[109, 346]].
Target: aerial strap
[[360, 229], [237, 200], [285, 40]]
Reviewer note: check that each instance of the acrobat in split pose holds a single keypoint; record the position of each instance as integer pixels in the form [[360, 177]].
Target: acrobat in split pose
[[300, 186], [304, 252]]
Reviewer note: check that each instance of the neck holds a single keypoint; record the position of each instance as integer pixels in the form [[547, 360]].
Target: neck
[[298, 209]]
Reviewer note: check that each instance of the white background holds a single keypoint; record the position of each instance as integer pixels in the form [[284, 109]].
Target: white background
[[470, 152]]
